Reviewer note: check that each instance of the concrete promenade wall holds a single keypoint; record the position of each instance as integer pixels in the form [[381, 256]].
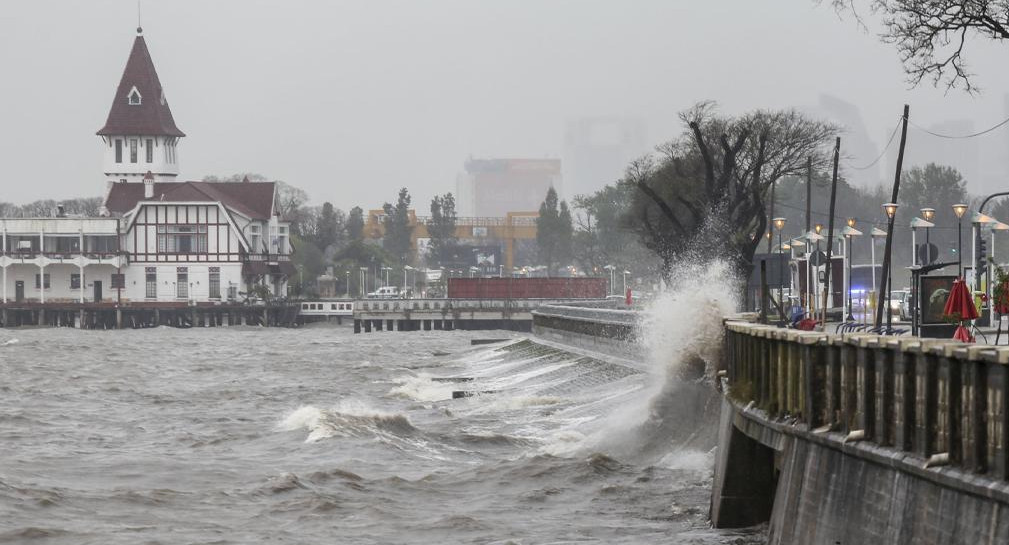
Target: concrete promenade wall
[[592, 327]]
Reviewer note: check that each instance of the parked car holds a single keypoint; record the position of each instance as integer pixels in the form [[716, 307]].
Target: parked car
[[385, 292], [900, 304]]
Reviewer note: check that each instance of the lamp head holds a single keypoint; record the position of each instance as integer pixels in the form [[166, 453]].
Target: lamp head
[[891, 209], [927, 213], [779, 223], [851, 222], [959, 209], [818, 227]]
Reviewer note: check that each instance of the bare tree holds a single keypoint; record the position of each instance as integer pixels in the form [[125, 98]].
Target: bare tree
[[707, 190], [931, 36]]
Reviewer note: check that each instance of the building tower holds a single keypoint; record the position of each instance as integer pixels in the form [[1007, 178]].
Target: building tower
[[140, 135]]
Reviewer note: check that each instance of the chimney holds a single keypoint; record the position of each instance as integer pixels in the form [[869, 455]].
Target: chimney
[[148, 185]]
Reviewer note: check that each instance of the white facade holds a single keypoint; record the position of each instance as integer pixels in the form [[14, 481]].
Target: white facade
[[79, 257], [201, 252], [130, 157]]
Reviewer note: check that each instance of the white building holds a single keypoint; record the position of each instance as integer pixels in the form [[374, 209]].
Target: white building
[[161, 240], [59, 260]]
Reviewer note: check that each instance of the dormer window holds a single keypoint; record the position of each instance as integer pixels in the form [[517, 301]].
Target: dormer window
[[134, 97]]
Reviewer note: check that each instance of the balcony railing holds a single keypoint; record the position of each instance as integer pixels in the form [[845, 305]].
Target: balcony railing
[[269, 257], [72, 254]]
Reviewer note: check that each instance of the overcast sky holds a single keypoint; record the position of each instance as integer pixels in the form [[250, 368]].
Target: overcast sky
[[351, 100]]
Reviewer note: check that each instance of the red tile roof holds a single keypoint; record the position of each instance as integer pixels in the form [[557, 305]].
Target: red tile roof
[[151, 117], [252, 199]]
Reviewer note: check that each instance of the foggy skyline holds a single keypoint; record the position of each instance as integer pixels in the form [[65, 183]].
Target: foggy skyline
[[352, 100]]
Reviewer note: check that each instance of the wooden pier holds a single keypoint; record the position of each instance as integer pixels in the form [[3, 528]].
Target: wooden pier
[[144, 315]]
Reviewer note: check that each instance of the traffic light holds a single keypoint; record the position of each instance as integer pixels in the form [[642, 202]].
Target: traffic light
[[982, 253]]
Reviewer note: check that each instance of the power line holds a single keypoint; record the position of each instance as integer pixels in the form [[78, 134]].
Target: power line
[[885, 148], [955, 137]]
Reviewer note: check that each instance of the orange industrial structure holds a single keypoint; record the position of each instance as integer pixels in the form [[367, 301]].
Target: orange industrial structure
[[514, 226]]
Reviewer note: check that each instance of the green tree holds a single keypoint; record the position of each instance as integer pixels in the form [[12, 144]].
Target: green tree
[[355, 224], [329, 227], [441, 228], [309, 262], [602, 236], [554, 232], [398, 228]]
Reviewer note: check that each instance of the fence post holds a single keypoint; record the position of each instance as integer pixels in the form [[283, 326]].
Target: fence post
[[998, 414]]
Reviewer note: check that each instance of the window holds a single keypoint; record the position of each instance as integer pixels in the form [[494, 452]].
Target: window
[[119, 150], [118, 281], [75, 281], [182, 282], [182, 239], [152, 282], [215, 282], [255, 244], [135, 97], [37, 279], [133, 150], [149, 150]]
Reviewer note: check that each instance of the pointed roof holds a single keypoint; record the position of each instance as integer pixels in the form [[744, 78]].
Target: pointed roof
[[151, 117]]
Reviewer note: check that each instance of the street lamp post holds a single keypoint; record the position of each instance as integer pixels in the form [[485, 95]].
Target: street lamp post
[[406, 269], [891, 211], [779, 224], [610, 268], [927, 214], [848, 234], [629, 272], [959, 209], [348, 283], [364, 282]]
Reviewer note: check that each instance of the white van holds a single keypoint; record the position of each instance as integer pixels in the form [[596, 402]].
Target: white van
[[387, 292]]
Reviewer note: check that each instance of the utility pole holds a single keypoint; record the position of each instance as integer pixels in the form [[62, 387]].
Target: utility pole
[[809, 192], [770, 228], [809, 227], [885, 272], [830, 234]]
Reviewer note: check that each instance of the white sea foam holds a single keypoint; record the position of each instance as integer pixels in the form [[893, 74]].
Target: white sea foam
[[422, 388], [9, 342], [681, 328]]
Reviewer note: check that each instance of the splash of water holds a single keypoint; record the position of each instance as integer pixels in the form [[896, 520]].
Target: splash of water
[[682, 335]]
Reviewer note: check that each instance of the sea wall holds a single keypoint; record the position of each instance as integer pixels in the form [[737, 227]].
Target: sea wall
[[594, 327], [862, 439]]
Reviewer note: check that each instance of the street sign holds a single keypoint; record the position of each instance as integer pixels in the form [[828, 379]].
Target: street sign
[[817, 258], [927, 255]]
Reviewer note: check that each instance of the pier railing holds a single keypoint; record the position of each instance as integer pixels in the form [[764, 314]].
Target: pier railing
[[942, 401]]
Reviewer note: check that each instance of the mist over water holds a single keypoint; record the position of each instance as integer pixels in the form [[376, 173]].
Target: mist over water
[[316, 435]]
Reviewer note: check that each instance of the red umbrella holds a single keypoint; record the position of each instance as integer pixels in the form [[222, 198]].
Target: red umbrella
[[959, 305], [963, 335]]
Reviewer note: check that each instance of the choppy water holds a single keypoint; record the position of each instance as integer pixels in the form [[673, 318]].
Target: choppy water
[[249, 435]]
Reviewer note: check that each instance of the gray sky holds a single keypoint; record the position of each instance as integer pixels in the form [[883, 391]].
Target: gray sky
[[351, 100]]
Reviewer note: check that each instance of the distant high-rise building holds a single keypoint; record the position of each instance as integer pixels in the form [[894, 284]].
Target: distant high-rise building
[[598, 149], [494, 187], [856, 146]]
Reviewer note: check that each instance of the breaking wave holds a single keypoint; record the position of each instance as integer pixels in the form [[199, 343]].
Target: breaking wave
[[347, 421]]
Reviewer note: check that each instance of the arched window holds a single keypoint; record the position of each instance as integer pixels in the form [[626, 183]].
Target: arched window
[[134, 97]]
